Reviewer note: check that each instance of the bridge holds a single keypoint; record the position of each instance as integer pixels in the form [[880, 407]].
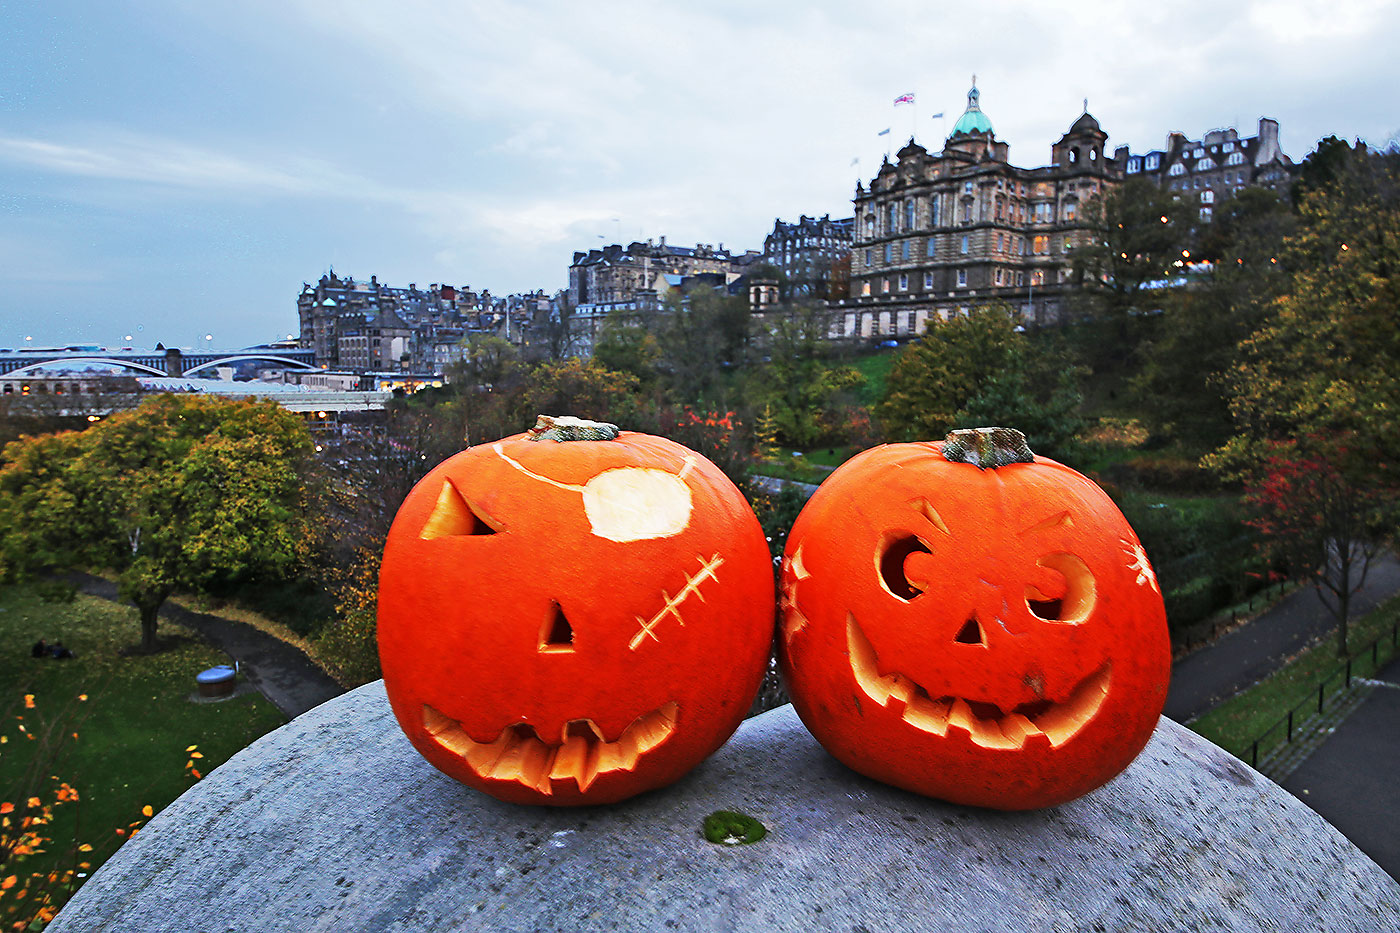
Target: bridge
[[160, 362]]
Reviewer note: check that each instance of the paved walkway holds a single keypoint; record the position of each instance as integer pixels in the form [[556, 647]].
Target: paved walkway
[[282, 672], [1252, 651], [1350, 780]]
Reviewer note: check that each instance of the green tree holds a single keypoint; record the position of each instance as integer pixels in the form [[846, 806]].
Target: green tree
[[798, 387], [1138, 231], [182, 491], [982, 370], [1194, 342], [625, 345], [486, 361], [1326, 359], [701, 333]]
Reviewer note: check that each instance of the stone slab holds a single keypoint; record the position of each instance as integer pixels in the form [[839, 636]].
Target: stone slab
[[334, 823]]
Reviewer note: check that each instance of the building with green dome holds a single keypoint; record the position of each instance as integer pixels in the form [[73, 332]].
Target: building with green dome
[[939, 233]]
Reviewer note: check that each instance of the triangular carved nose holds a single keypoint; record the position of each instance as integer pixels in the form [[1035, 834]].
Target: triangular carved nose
[[970, 633]]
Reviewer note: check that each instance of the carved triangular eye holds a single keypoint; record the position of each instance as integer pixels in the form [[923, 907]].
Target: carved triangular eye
[[558, 634], [453, 516]]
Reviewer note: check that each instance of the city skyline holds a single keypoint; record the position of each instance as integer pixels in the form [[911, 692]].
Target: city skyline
[[171, 171]]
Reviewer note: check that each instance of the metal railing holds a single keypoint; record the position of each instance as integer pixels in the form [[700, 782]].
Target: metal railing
[[1291, 722]]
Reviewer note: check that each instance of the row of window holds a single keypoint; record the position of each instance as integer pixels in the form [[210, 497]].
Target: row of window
[[1040, 245], [1203, 163], [1002, 277]]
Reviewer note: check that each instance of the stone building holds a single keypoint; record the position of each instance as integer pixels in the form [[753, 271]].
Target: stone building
[[937, 234], [370, 326], [1205, 171], [807, 252], [636, 279]]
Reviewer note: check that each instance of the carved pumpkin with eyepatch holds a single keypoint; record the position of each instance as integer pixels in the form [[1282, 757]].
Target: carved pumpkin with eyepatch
[[573, 615], [974, 623]]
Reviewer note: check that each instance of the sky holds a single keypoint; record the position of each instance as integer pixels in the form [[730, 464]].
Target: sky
[[171, 169]]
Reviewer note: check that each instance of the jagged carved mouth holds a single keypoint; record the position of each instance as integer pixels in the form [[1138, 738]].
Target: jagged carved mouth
[[988, 725], [519, 754]]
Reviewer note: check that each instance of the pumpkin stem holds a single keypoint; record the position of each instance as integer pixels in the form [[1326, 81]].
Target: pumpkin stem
[[566, 428], [987, 447]]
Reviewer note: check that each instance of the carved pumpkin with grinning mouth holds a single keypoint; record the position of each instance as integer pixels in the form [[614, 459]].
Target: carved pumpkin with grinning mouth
[[972, 622], [573, 615]]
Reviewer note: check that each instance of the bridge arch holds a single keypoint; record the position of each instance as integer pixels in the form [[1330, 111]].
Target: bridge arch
[[271, 358], [36, 367]]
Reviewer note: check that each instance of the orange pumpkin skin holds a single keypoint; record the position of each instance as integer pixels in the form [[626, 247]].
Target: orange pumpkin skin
[[913, 639], [666, 635]]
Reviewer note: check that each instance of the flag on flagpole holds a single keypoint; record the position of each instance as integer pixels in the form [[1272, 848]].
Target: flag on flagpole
[[937, 116], [904, 99], [884, 132]]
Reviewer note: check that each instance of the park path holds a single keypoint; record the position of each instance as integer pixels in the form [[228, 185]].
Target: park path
[[1248, 653], [281, 672]]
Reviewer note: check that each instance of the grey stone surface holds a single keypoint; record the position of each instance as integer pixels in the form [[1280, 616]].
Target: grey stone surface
[[334, 823]]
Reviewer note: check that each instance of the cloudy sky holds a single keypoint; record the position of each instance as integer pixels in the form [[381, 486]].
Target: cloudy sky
[[171, 168]]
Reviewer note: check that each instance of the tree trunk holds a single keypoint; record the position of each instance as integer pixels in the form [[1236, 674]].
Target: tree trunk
[[149, 608]]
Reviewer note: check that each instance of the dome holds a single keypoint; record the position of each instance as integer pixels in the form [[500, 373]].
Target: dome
[[973, 119], [1085, 124]]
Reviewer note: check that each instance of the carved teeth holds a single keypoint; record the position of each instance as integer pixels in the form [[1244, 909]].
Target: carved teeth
[[1056, 723], [519, 755]]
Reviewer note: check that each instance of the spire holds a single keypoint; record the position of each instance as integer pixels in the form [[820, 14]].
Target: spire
[[973, 96]]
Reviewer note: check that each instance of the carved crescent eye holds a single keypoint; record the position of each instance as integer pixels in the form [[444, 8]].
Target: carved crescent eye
[[900, 576], [1073, 601]]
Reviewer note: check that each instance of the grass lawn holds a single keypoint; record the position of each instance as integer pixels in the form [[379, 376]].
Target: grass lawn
[[133, 729], [1240, 720], [876, 368]]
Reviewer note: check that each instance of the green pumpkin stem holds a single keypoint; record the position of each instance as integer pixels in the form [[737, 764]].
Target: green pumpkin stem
[[987, 448], [565, 428]]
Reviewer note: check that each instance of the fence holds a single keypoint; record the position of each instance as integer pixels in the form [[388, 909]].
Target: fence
[[1290, 723]]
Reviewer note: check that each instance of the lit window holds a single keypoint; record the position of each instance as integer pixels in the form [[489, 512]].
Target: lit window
[[1041, 245], [1206, 213], [865, 288], [1070, 209], [1207, 197], [885, 286]]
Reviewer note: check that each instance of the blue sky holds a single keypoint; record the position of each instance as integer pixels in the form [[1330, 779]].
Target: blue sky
[[170, 169]]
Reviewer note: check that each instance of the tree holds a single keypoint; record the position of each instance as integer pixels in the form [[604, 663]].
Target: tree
[[702, 332], [182, 491], [1323, 516], [487, 360], [978, 371], [626, 345], [1326, 359], [1137, 231], [1193, 343], [797, 389]]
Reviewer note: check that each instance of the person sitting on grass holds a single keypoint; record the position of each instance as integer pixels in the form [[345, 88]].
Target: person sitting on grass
[[59, 653], [40, 649]]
